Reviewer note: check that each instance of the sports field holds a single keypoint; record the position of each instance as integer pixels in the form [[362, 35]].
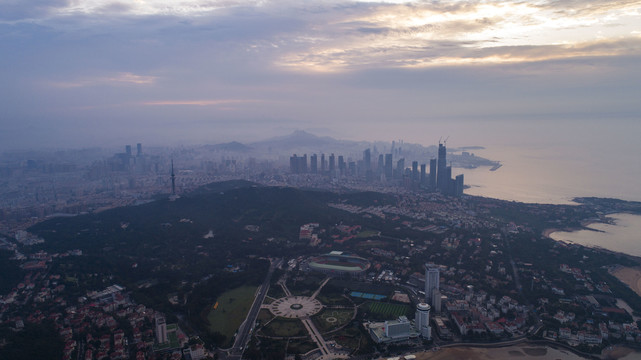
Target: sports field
[[367, 233], [231, 311], [386, 310], [358, 294]]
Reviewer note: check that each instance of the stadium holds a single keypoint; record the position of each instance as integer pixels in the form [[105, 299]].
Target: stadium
[[339, 263]]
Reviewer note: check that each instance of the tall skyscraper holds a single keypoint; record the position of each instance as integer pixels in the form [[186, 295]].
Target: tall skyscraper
[[367, 164], [139, 149], [423, 177], [449, 182], [342, 167], [400, 168], [442, 181], [367, 159], [303, 163], [432, 173], [415, 176], [332, 165], [173, 179], [314, 163], [458, 188], [436, 301], [389, 167], [323, 164], [294, 164], [128, 150], [298, 164], [432, 278]]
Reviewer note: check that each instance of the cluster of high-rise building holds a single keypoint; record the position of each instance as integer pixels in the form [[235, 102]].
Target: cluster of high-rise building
[[439, 177]]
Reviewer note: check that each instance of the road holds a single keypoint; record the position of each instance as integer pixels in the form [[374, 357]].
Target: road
[[242, 338], [316, 336]]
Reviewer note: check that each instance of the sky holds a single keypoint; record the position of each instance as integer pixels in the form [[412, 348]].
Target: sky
[[83, 73]]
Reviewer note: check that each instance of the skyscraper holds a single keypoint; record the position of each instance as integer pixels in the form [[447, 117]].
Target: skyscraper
[[423, 178], [422, 320], [400, 168], [442, 181], [294, 164], [389, 169], [367, 159], [332, 164], [173, 179], [139, 149], [432, 278], [298, 164], [448, 189], [367, 164], [161, 329], [458, 188], [415, 171], [303, 163], [314, 164], [323, 165], [433, 173]]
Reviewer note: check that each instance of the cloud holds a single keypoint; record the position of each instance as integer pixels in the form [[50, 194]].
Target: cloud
[[168, 65], [15, 10], [213, 102], [119, 79], [425, 34]]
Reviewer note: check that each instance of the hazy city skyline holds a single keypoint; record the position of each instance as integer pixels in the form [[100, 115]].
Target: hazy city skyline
[[103, 73]]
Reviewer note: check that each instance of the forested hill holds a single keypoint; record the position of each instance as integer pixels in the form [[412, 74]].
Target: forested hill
[[209, 228]]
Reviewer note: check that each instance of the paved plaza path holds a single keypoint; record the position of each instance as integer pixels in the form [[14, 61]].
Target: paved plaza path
[[303, 307]]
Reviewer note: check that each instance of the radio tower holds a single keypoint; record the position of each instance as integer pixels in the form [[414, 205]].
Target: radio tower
[[173, 179]]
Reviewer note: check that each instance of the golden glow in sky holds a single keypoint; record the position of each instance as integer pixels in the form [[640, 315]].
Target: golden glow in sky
[[198, 66], [341, 35]]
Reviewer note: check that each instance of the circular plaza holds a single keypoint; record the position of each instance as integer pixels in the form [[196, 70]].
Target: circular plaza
[[295, 307]]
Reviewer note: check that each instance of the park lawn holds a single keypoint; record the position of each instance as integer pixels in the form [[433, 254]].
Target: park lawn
[[354, 338], [264, 316], [300, 346], [231, 311], [330, 319], [281, 327], [333, 299]]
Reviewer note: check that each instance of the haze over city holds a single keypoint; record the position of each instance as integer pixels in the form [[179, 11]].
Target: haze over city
[[333, 179], [87, 73]]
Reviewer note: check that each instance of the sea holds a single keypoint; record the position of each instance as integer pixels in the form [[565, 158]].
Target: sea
[[623, 236], [553, 162]]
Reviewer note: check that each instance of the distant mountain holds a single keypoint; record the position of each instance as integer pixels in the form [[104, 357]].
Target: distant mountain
[[301, 142], [298, 139], [230, 146]]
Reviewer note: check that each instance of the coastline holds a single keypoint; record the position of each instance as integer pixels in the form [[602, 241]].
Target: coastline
[[609, 219], [547, 232], [585, 225], [630, 276], [525, 350]]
